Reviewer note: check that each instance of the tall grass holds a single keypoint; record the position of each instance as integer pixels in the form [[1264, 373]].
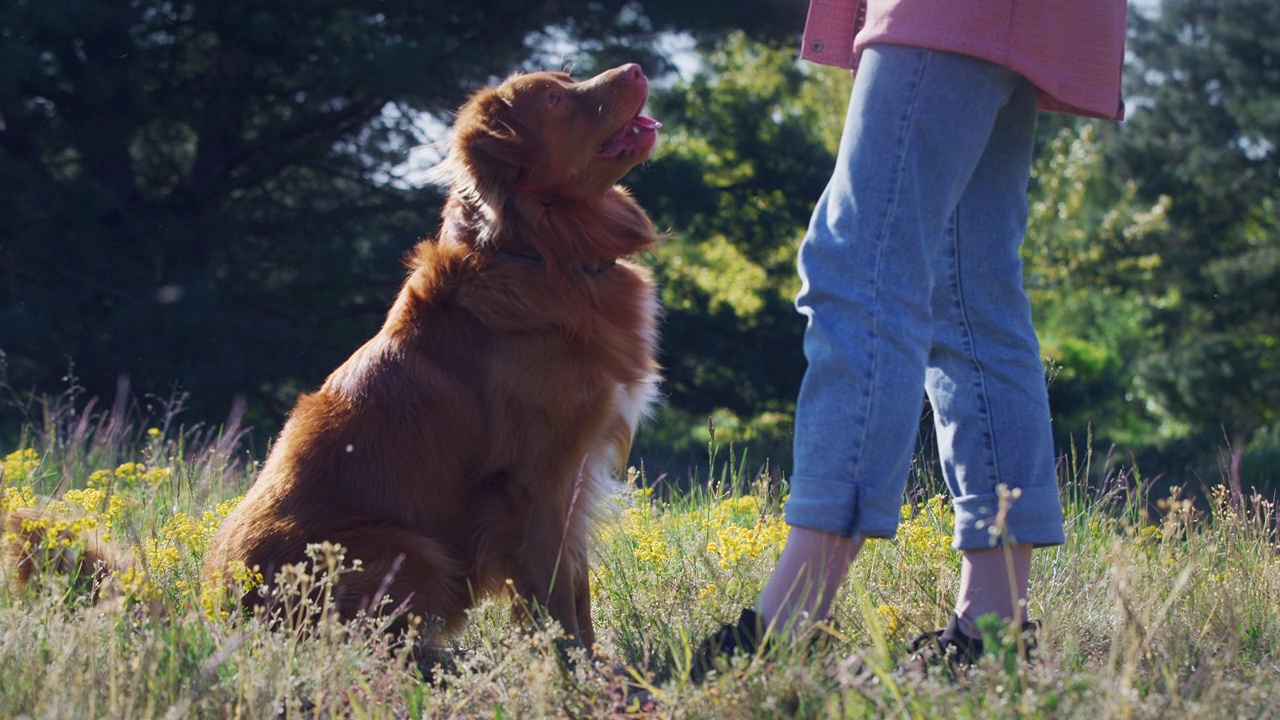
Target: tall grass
[[1153, 608]]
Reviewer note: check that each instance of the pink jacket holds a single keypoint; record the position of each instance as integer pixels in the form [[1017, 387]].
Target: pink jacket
[[1073, 50]]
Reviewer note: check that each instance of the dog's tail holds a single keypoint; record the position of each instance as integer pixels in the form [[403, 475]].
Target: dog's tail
[[36, 541]]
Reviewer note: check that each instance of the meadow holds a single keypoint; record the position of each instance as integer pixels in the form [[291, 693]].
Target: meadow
[[1154, 608]]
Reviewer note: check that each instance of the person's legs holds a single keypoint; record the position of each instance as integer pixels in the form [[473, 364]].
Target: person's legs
[[811, 569], [986, 382], [918, 124], [993, 581]]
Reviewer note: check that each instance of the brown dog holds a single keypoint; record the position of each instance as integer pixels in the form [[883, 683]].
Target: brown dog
[[464, 448]]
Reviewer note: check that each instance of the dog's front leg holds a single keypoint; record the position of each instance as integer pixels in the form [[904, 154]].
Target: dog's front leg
[[582, 596], [555, 585]]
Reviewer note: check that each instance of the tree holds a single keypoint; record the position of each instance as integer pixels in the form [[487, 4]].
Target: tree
[[748, 144], [210, 193], [1090, 298], [1205, 132]]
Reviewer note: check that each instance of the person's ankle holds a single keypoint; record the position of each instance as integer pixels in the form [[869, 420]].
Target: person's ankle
[[784, 622], [967, 620], [967, 625], [806, 578]]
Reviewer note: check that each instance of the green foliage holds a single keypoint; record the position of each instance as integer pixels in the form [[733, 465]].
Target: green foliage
[[214, 194], [1092, 327], [1205, 126], [215, 197], [748, 145], [1205, 133]]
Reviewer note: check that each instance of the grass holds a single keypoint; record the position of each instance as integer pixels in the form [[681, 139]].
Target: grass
[[1171, 613]]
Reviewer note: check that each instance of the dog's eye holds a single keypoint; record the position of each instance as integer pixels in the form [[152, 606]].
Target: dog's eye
[[553, 99]]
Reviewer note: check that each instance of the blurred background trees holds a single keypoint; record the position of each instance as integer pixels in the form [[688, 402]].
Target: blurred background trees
[[214, 193], [216, 196], [1206, 135]]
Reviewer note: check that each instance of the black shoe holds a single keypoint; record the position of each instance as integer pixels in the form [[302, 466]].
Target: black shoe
[[746, 637], [629, 688], [954, 651], [742, 637]]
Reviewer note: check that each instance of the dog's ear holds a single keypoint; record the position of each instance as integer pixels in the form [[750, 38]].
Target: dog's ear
[[489, 140]]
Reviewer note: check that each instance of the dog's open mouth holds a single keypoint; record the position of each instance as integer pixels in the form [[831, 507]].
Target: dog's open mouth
[[637, 135]]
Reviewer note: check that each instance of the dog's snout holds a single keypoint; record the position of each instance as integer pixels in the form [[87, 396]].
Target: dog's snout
[[632, 71]]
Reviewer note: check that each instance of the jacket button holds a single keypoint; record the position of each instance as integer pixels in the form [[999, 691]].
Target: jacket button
[[816, 46]]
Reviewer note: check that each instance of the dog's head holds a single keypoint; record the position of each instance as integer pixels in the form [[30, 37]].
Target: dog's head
[[553, 138]]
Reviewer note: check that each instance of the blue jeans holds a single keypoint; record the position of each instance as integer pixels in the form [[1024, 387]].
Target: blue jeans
[[912, 281]]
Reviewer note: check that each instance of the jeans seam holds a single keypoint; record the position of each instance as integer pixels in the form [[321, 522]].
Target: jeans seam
[[971, 351], [882, 236]]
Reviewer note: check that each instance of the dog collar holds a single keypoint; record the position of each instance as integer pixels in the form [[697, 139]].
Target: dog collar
[[588, 268]]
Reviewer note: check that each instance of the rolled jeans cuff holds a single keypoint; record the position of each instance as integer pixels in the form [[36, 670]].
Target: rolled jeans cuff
[[843, 508], [1034, 518]]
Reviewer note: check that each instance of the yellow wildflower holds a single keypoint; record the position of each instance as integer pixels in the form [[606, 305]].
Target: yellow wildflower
[[598, 577], [650, 545], [224, 508], [184, 536], [219, 592], [161, 556], [90, 499], [57, 531], [135, 584], [16, 498], [130, 474], [926, 530], [744, 508], [638, 524], [890, 619], [1149, 536], [19, 465], [735, 540], [156, 477]]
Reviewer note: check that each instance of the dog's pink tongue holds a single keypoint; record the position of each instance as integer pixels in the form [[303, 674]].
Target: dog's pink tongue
[[627, 138]]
